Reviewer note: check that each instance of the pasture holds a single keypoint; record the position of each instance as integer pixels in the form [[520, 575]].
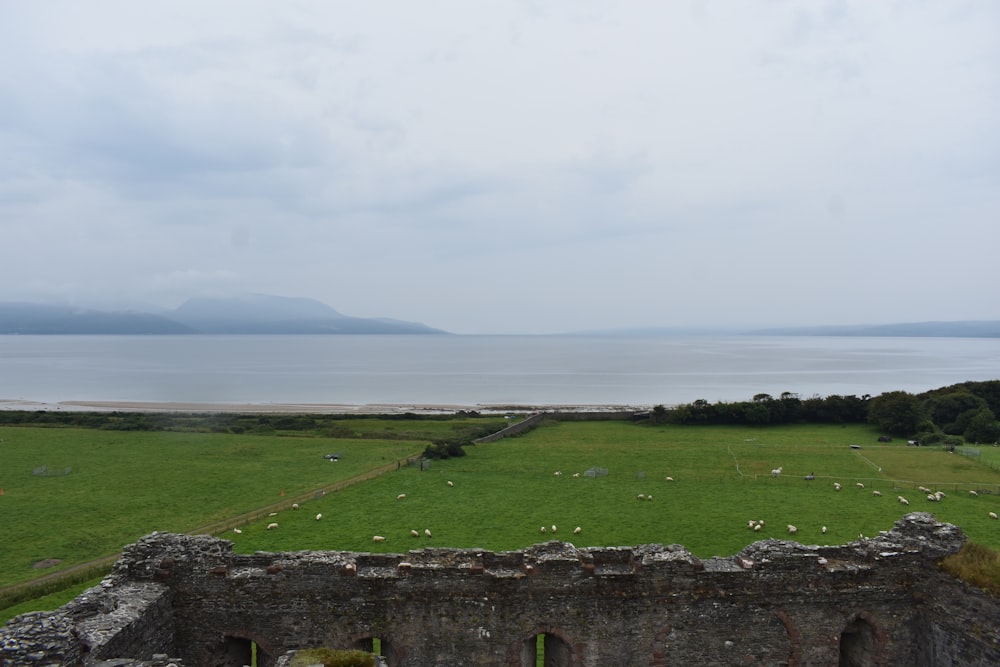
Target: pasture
[[505, 492], [124, 485]]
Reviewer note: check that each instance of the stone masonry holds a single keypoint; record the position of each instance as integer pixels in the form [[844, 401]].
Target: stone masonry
[[876, 601]]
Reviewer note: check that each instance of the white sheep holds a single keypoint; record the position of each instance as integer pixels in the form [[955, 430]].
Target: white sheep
[[859, 485], [576, 474], [649, 497], [757, 527], [972, 493], [670, 479], [400, 496], [427, 532], [451, 483], [792, 529], [903, 500], [237, 531], [751, 523], [273, 514], [776, 472], [836, 486], [295, 506], [378, 538], [554, 528], [414, 533], [641, 496], [876, 492], [544, 529], [557, 473], [319, 516], [993, 515], [823, 530], [272, 526], [577, 530], [931, 497]]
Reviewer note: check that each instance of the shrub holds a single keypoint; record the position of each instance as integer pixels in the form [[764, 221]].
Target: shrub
[[977, 565]]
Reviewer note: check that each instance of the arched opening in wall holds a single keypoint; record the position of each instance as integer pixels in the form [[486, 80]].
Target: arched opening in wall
[[239, 651], [546, 650], [378, 646], [858, 644]]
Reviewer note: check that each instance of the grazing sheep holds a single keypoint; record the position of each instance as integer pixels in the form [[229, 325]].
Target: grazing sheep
[[272, 526], [903, 500], [823, 530], [400, 496], [757, 527], [792, 529], [939, 494], [451, 483], [319, 516], [237, 531], [859, 485], [295, 506], [776, 472], [576, 474], [378, 538], [876, 492], [923, 489], [931, 497], [670, 479], [427, 532], [544, 529], [751, 523], [972, 493], [553, 528], [557, 473], [414, 533], [273, 514], [836, 486], [641, 496], [577, 530], [993, 515]]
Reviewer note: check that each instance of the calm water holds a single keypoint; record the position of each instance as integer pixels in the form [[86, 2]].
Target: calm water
[[478, 370]]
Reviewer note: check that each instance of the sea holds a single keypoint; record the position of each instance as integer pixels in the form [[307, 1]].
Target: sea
[[476, 371]]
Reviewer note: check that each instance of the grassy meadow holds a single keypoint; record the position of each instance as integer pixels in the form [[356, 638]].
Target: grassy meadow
[[126, 484], [505, 492]]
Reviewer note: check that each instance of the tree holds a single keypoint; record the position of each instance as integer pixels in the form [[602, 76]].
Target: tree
[[898, 413], [982, 427]]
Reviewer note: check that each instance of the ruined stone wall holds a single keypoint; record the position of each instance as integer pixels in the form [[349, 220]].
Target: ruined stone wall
[[879, 601]]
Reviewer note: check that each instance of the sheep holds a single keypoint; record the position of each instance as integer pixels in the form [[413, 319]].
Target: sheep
[[993, 515], [669, 478], [649, 497], [427, 532], [319, 516], [931, 497], [544, 529], [557, 473], [823, 530], [836, 486], [273, 514], [903, 500], [237, 531], [972, 493], [776, 472], [923, 489], [272, 526], [641, 496], [939, 494], [792, 529], [414, 533], [400, 496], [757, 527], [577, 530], [876, 492], [451, 483], [295, 506], [378, 538], [751, 523], [576, 474], [859, 485], [554, 528]]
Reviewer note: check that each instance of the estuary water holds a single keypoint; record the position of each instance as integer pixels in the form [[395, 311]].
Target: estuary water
[[477, 370]]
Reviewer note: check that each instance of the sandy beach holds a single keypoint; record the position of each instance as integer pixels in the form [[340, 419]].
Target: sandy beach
[[299, 408]]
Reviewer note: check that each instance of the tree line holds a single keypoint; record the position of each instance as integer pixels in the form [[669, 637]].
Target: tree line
[[956, 414]]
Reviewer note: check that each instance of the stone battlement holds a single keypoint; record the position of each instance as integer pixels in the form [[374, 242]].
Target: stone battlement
[[876, 601]]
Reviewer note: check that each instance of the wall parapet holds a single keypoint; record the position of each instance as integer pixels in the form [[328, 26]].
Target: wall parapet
[[880, 599]]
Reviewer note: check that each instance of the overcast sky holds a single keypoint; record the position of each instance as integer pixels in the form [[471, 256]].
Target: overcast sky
[[507, 167]]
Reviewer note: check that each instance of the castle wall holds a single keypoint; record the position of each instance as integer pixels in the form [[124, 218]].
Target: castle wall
[[879, 601]]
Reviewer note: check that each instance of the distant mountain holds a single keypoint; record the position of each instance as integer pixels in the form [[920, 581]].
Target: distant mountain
[[960, 329], [248, 314]]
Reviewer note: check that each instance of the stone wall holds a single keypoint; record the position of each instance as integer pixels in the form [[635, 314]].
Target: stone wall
[[878, 601]]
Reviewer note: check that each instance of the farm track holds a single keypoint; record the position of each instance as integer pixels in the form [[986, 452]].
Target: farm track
[[101, 566]]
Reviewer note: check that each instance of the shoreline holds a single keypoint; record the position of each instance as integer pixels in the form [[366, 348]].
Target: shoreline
[[299, 408]]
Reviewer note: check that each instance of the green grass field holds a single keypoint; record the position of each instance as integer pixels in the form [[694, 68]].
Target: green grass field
[[127, 484]]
